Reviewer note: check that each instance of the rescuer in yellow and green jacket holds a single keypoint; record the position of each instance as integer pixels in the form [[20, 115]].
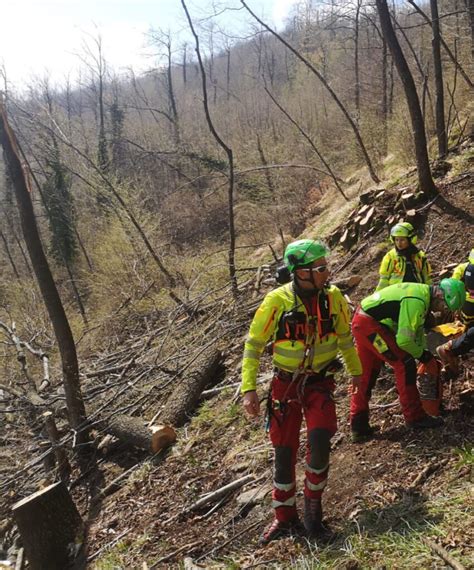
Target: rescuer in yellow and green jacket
[[451, 350], [405, 263], [388, 326], [464, 272], [308, 322]]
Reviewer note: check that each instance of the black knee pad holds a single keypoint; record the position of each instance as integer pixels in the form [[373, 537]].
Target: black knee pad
[[283, 466], [410, 370], [319, 440]]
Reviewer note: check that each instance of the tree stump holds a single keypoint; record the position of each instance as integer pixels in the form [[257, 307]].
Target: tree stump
[[187, 394], [50, 526], [133, 432]]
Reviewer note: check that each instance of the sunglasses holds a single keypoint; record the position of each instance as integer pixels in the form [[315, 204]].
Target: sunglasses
[[318, 269]]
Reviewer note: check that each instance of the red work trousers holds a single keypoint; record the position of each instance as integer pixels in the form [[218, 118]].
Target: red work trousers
[[364, 331], [289, 401]]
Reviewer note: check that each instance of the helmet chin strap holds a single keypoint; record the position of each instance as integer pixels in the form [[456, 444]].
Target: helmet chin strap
[[309, 280]]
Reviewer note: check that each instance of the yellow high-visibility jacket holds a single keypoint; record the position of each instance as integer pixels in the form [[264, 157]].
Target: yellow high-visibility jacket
[[393, 266], [403, 308], [467, 311], [282, 316], [459, 270]]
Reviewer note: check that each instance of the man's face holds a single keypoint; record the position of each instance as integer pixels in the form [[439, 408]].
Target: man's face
[[313, 276], [401, 242]]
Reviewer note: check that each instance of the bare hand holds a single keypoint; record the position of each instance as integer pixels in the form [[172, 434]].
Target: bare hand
[[251, 404]]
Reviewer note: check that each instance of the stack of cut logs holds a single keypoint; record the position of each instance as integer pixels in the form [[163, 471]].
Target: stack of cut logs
[[377, 209]]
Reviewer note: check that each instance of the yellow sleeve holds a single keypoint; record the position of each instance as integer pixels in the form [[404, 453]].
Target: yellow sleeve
[[345, 341], [261, 330], [459, 270], [426, 269], [385, 271]]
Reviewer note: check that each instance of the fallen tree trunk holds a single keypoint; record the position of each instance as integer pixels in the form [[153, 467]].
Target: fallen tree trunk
[[133, 432], [50, 527], [187, 394]]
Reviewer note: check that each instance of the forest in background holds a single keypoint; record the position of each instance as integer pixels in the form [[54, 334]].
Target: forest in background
[[131, 188]]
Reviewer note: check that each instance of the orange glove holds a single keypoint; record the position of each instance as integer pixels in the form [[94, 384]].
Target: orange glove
[[430, 386]]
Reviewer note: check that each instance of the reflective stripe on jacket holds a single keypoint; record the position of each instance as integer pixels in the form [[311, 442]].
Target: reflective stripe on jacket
[[288, 348], [405, 306], [393, 267]]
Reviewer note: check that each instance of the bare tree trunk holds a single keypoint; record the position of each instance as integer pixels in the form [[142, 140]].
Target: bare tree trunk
[[230, 158], [336, 99], [445, 45], [385, 96], [423, 164], [470, 12], [423, 72], [62, 330], [228, 73], [313, 146], [185, 63], [9, 255], [356, 62], [438, 72], [171, 96], [264, 161]]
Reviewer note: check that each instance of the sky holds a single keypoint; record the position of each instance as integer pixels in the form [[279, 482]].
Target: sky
[[40, 38]]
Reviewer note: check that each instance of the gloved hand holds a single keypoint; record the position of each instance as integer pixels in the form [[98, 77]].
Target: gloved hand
[[251, 404]]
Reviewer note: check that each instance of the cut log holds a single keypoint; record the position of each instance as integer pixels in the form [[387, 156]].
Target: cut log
[[347, 239], [347, 282], [363, 210], [365, 222], [133, 431], [187, 394], [50, 527], [64, 468]]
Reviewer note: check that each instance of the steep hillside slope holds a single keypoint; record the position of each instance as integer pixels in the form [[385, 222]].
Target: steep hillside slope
[[390, 499]]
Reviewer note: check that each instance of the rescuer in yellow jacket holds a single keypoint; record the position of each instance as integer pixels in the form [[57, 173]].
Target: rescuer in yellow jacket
[[405, 263], [388, 327], [308, 322], [451, 350]]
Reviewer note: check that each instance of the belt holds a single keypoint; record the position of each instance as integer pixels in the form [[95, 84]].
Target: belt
[[286, 376]]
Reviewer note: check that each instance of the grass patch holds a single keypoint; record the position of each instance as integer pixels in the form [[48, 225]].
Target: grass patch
[[466, 455], [391, 537]]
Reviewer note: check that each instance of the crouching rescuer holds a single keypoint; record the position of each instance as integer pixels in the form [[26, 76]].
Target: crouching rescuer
[[309, 324], [388, 326]]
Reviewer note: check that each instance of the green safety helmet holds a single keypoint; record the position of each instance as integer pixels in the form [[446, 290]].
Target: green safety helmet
[[471, 256], [405, 230], [454, 293], [303, 252]]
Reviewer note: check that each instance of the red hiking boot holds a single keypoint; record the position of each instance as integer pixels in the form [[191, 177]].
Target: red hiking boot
[[281, 529], [313, 521]]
